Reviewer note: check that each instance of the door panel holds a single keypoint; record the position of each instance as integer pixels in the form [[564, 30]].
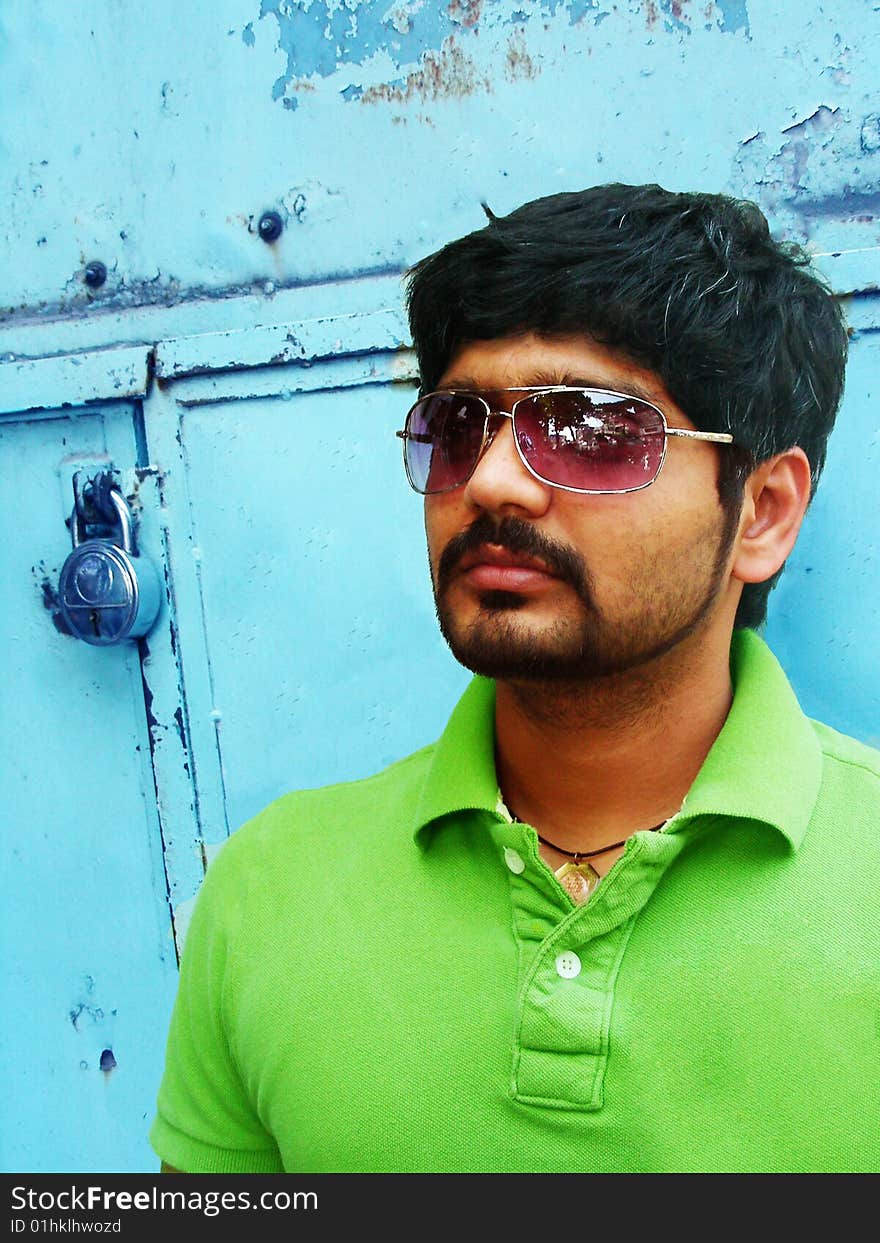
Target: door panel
[[88, 957], [824, 614], [322, 661]]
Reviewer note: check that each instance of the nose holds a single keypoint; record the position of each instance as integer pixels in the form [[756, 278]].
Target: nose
[[500, 481]]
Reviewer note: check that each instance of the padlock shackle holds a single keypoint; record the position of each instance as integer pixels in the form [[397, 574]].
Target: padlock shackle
[[123, 515]]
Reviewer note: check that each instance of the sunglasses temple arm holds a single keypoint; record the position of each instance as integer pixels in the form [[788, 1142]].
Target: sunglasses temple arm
[[720, 438]]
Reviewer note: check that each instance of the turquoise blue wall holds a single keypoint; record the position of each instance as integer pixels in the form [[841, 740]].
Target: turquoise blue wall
[[246, 394]]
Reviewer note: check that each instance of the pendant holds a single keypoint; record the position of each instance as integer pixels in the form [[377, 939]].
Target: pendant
[[579, 880]]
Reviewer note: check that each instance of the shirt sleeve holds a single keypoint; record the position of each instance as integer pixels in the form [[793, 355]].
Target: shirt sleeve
[[205, 1121]]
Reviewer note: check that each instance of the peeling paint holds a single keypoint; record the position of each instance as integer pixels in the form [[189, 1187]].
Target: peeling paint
[[818, 121], [319, 37], [675, 15], [802, 177], [869, 134], [575, 11], [465, 12], [142, 295], [681, 16], [49, 596], [794, 156], [446, 74], [150, 291], [734, 16]]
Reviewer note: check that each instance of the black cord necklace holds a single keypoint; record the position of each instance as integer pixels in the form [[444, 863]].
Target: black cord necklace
[[579, 878], [588, 854]]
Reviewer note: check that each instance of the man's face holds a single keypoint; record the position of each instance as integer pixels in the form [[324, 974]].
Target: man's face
[[534, 582]]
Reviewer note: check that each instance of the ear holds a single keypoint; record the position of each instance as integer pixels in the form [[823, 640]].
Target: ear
[[776, 497]]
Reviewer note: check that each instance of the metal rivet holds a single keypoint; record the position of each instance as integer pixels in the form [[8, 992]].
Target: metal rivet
[[95, 274], [271, 226]]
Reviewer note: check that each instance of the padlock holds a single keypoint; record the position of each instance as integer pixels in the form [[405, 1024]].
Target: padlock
[[106, 592]]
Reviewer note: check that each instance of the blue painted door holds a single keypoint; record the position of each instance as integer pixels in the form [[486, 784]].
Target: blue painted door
[[296, 646], [88, 961]]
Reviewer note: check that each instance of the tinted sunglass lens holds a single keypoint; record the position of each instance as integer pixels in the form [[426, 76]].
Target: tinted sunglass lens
[[591, 440], [444, 435]]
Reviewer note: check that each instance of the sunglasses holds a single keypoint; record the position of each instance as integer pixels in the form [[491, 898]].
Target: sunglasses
[[589, 440]]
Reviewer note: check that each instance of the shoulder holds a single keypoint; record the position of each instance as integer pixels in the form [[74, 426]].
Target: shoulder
[[841, 749], [395, 790], [288, 861], [354, 811], [849, 797]]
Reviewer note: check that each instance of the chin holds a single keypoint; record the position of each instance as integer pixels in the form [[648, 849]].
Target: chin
[[499, 646]]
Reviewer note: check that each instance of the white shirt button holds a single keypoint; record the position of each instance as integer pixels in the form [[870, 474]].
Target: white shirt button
[[514, 860], [568, 965], [501, 809]]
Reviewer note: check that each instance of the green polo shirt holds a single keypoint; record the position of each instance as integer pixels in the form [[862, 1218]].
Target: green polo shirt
[[384, 976]]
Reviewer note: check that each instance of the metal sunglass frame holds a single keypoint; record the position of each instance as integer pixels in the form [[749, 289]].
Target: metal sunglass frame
[[724, 438]]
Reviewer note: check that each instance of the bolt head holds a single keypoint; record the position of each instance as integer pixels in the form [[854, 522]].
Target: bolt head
[[95, 274], [270, 226]]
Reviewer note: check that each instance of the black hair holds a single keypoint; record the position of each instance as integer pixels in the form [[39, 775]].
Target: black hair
[[744, 334]]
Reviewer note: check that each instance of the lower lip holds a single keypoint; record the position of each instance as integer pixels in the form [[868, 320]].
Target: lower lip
[[487, 577]]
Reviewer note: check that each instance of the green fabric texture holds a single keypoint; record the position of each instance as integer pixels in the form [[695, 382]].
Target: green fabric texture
[[378, 975]]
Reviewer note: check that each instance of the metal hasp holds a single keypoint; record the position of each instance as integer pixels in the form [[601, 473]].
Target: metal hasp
[[106, 592]]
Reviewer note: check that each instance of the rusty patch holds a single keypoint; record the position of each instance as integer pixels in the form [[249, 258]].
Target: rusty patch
[[465, 12], [519, 62], [651, 14], [447, 74]]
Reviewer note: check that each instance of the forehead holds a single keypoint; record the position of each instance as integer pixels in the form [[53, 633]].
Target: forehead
[[528, 360]]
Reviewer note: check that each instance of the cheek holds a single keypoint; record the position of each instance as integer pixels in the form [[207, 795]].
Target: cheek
[[439, 526], [611, 531], [443, 510], [629, 542]]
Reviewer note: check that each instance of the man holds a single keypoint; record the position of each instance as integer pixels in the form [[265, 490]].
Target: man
[[621, 916]]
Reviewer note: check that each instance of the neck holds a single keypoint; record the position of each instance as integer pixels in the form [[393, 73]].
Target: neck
[[592, 762]]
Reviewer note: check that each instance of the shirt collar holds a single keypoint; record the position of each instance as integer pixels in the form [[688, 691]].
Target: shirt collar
[[764, 765], [461, 776]]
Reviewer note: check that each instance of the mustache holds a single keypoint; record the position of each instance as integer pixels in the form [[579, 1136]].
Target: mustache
[[516, 536]]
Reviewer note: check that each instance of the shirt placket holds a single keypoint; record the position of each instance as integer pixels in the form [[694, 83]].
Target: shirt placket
[[569, 959]]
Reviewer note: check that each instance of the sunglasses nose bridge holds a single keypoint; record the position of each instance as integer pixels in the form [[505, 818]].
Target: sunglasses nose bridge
[[494, 422], [503, 479]]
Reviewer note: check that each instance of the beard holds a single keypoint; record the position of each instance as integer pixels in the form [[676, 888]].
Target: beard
[[584, 645]]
